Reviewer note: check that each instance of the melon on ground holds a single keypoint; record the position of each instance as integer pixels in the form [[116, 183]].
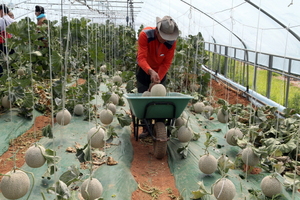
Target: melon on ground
[[15, 185], [158, 90], [208, 164], [34, 157], [224, 189], [96, 137], [91, 189], [270, 186]]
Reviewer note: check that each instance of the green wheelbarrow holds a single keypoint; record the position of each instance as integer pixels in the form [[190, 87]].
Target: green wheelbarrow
[[156, 113]]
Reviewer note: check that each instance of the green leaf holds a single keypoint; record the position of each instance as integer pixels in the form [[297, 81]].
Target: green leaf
[[72, 175], [124, 120], [61, 190], [47, 131]]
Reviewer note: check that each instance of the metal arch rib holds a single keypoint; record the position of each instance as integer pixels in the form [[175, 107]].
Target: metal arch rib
[[273, 18]]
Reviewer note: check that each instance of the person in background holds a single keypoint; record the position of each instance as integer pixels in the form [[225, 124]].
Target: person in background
[[11, 15], [5, 21], [41, 19], [40, 15], [156, 47]]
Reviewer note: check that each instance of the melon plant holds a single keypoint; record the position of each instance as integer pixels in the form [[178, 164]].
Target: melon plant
[[112, 107], [232, 135], [78, 109], [270, 186], [5, 102], [249, 157], [95, 137], [34, 156], [208, 164], [198, 107], [91, 189], [194, 87], [15, 184], [224, 189], [158, 90], [106, 116], [114, 98], [63, 117]]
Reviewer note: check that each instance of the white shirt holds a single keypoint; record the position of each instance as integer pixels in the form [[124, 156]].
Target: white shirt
[[5, 21]]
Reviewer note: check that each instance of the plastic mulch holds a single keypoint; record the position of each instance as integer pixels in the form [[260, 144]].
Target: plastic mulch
[[118, 183]]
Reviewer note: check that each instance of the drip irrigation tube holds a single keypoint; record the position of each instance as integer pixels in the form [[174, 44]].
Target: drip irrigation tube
[[256, 98]]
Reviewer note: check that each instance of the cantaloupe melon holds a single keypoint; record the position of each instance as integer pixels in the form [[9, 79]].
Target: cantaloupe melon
[[270, 186], [223, 116], [15, 185], [180, 121], [5, 102], [114, 98], [117, 79], [232, 134], [224, 189], [63, 117], [34, 156], [158, 90], [146, 94], [208, 164], [249, 157], [106, 116], [91, 189], [103, 68], [96, 137], [78, 109], [20, 72], [184, 134], [112, 107], [199, 107]]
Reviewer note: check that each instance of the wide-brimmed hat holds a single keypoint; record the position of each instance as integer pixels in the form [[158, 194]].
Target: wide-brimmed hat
[[167, 28]]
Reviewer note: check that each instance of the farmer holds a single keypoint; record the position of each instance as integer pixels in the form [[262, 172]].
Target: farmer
[[40, 15], [156, 46], [5, 21]]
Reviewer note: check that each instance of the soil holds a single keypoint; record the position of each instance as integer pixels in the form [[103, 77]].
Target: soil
[[152, 175]]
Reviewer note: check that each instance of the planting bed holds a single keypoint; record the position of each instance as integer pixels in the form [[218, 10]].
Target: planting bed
[[166, 178]]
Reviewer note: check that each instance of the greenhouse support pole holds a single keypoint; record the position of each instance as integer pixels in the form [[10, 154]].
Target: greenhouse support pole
[[286, 102], [269, 78]]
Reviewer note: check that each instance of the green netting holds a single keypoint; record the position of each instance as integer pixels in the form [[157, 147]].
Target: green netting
[[12, 126]]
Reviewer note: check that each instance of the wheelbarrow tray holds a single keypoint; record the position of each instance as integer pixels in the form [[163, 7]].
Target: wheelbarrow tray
[[157, 107]]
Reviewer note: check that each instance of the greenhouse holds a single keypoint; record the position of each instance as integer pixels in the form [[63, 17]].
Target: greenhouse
[[136, 99]]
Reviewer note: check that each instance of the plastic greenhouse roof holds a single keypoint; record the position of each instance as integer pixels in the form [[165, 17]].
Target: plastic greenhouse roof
[[263, 26]]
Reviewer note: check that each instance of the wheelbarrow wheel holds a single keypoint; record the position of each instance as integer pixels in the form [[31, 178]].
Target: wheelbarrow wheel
[[160, 144]]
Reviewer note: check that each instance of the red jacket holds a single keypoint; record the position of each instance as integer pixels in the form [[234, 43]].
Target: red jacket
[[153, 54]]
